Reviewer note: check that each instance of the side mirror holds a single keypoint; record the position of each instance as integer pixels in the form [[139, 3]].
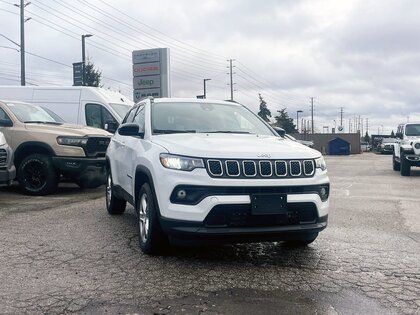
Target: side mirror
[[111, 126], [281, 132], [399, 135], [129, 130], [6, 123]]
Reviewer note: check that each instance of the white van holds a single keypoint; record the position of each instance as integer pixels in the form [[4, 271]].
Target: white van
[[82, 105]]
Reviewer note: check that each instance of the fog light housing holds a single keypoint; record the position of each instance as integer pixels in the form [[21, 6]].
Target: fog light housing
[[324, 192], [181, 194]]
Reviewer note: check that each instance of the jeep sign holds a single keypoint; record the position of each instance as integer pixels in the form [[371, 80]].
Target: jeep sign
[[151, 73]]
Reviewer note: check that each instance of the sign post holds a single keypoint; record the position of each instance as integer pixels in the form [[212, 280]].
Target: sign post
[[151, 73], [78, 73]]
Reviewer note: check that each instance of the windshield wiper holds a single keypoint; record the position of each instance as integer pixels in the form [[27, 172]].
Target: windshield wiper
[[167, 131], [42, 122], [227, 131]]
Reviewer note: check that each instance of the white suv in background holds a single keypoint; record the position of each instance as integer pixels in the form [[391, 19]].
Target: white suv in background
[[212, 171], [406, 150]]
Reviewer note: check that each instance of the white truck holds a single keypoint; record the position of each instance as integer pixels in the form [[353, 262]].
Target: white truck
[[81, 105], [406, 148]]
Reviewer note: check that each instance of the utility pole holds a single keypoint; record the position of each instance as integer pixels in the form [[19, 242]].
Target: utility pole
[[231, 77], [341, 116], [22, 44], [22, 41], [367, 125], [312, 113]]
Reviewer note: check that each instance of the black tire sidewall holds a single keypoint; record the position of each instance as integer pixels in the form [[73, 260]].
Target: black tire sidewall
[[155, 240], [48, 169], [405, 166], [116, 205]]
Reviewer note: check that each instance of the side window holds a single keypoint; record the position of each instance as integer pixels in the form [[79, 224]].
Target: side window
[[93, 114], [107, 117], [130, 115], [5, 120], [139, 118]]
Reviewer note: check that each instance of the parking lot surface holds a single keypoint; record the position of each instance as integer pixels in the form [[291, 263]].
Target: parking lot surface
[[64, 253]]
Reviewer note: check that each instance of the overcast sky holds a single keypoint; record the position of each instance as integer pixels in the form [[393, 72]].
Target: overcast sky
[[359, 55]]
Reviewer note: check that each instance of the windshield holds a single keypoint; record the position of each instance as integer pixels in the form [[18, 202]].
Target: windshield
[[205, 117], [412, 130], [30, 113], [53, 115], [120, 109]]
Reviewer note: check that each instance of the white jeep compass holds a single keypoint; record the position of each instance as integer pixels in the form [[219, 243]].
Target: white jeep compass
[[212, 171]]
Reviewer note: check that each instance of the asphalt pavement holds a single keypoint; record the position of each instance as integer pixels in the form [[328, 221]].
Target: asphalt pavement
[[63, 253]]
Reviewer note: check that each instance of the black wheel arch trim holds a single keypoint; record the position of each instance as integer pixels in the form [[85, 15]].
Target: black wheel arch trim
[[27, 144], [137, 186]]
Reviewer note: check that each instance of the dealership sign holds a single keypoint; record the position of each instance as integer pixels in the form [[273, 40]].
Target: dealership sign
[[151, 73]]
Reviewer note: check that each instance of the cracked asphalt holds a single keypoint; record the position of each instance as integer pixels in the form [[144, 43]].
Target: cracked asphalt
[[64, 254]]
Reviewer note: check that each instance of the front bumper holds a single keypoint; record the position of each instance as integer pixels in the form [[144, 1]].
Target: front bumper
[[7, 174], [413, 159], [187, 232], [90, 172]]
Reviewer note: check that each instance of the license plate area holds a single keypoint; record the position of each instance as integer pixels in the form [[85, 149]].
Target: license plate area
[[265, 204]]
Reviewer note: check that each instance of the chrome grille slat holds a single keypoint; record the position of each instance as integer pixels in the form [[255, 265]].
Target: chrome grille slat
[[232, 168], [238, 168], [295, 168], [308, 167], [263, 166], [246, 168], [281, 168]]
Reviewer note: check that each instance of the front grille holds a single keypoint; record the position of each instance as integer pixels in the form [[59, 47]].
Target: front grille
[[241, 216], [220, 168], [96, 146], [3, 157]]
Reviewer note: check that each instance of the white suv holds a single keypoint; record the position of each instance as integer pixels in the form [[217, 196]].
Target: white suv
[[212, 171], [406, 151]]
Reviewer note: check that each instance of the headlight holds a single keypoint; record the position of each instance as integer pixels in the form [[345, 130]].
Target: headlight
[[320, 163], [182, 163], [417, 145], [73, 141]]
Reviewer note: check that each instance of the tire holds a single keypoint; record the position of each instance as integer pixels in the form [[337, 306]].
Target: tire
[[37, 175], [152, 240], [405, 166], [114, 205], [303, 240], [396, 166]]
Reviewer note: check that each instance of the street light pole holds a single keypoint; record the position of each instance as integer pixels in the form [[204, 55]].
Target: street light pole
[[84, 56], [204, 83], [297, 119]]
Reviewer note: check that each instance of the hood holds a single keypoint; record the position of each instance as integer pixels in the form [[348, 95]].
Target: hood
[[66, 129], [240, 146]]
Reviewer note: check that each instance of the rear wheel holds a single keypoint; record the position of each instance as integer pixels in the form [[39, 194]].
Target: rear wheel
[[37, 175], [395, 165], [152, 239], [405, 166], [114, 205]]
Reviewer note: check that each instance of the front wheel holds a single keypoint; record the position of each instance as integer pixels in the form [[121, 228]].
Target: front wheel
[[114, 205], [395, 165], [405, 166], [152, 239], [37, 175]]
